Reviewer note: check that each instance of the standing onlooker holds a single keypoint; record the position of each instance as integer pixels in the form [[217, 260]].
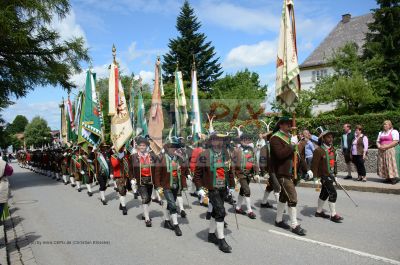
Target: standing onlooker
[[310, 143], [387, 140], [359, 152], [260, 143], [347, 140], [5, 171]]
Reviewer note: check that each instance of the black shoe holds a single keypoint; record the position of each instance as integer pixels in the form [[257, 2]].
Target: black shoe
[[96, 183], [168, 225], [80, 189], [393, 181], [148, 223], [348, 177], [223, 246], [135, 195], [336, 218], [124, 210], [116, 189], [265, 205], [66, 183], [212, 238], [208, 216], [178, 231], [90, 194], [144, 218], [120, 206], [282, 224], [53, 177], [225, 225], [73, 185], [299, 231], [183, 214], [103, 202], [322, 215], [193, 194]]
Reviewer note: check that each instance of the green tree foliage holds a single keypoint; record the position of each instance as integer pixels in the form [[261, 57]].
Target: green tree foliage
[[37, 133], [348, 85], [18, 125], [31, 53], [382, 53], [191, 43]]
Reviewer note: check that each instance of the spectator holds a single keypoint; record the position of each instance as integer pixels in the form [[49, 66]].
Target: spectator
[[260, 143], [5, 171], [387, 140], [312, 143], [359, 151], [347, 139]]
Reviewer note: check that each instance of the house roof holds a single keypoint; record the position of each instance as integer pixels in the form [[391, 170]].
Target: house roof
[[347, 30]]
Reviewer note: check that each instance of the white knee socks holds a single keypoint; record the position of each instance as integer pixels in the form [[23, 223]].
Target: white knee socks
[[279, 211], [248, 204], [122, 200], [213, 226], [320, 205], [72, 180], [78, 184], [102, 195], [89, 188], [265, 198], [174, 218], [239, 202], [146, 212], [220, 230], [180, 203], [332, 207], [293, 216], [276, 194]]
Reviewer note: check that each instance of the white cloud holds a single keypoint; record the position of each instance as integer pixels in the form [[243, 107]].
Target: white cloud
[[258, 54], [68, 27], [147, 77], [50, 111], [134, 53], [237, 17], [101, 71]]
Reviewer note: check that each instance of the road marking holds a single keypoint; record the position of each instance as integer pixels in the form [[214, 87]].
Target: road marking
[[352, 251]]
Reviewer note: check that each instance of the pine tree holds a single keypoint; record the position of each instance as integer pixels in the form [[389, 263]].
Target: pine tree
[[382, 52], [191, 43]]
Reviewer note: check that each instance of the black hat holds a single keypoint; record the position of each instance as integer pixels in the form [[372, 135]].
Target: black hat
[[281, 120], [140, 140], [323, 132], [245, 136]]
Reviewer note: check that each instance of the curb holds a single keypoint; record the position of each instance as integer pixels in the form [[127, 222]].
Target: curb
[[395, 191], [17, 245]]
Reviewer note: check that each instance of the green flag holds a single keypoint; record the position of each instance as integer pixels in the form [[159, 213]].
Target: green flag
[[141, 123], [181, 115]]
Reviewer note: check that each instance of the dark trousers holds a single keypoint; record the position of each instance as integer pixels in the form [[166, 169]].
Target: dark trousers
[[102, 179], [217, 201], [170, 196], [359, 162], [1, 209], [328, 190], [145, 192], [244, 186]]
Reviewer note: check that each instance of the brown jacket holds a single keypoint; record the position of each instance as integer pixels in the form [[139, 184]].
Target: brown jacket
[[203, 176], [282, 156], [135, 166], [162, 177], [265, 160], [237, 163], [319, 165]]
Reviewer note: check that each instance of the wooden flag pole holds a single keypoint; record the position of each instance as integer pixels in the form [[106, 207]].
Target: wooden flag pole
[[295, 158]]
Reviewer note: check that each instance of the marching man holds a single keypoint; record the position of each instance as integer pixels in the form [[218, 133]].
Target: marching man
[[143, 168], [119, 162], [283, 147], [323, 166], [170, 180], [213, 173]]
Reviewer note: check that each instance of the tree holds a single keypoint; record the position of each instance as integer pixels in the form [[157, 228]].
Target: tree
[[348, 86], [37, 133], [191, 44], [31, 53], [18, 125], [382, 53]]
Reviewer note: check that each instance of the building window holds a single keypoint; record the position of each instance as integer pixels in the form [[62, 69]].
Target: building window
[[319, 74]]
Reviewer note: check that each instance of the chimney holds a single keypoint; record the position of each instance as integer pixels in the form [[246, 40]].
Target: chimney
[[346, 18]]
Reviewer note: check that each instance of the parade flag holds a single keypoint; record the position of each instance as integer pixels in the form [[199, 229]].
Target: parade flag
[[91, 120], [195, 117], [181, 115], [63, 131], [287, 86], [156, 116], [141, 123], [121, 126], [132, 105]]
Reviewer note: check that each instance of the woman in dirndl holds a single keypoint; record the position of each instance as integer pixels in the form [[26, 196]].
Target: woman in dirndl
[[388, 140]]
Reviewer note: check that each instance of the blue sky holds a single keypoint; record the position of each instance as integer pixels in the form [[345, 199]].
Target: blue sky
[[244, 33]]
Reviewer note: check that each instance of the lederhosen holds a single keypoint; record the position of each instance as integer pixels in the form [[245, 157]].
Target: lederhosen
[[76, 167], [246, 167], [88, 169], [174, 182], [328, 190], [103, 171], [219, 171], [122, 181], [145, 178], [273, 184], [288, 191]]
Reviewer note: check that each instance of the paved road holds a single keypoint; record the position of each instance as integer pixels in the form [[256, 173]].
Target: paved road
[[51, 212]]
